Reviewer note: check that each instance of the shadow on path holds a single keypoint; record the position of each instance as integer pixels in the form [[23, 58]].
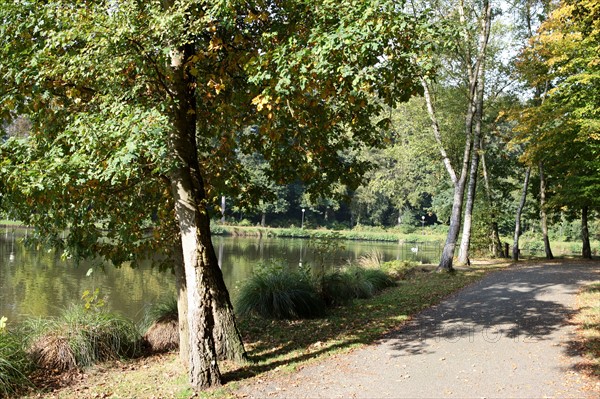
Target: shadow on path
[[527, 305]]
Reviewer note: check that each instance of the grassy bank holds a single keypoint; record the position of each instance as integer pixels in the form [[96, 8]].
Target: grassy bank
[[276, 346], [360, 234], [588, 322]]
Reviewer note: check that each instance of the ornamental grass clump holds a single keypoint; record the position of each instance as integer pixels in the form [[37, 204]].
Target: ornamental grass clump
[[342, 286], [280, 293], [400, 269], [80, 338], [14, 364], [162, 335]]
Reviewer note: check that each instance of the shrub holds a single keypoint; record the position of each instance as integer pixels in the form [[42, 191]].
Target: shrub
[[342, 286], [80, 338], [14, 364], [337, 288], [399, 269], [280, 293], [162, 335], [245, 223]]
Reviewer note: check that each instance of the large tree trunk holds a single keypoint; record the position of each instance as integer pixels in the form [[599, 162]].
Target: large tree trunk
[[182, 305], [210, 313], [515, 250], [586, 250], [188, 192], [543, 216]]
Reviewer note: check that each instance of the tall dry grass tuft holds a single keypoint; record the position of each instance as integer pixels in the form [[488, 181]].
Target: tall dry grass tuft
[[80, 338], [371, 260], [162, 335]]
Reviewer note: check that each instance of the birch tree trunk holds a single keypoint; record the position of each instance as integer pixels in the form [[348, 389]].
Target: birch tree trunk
[[475, 71], [586, 251], [515, 249], [543, 216], [463, 254]]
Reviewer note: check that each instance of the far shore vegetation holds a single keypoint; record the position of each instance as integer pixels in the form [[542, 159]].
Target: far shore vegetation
[[563, 242]]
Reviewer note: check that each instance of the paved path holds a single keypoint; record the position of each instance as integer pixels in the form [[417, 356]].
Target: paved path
[[506, 336]]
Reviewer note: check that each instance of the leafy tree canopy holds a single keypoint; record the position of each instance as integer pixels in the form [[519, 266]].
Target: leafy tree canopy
[[293, 81], [563, 128]]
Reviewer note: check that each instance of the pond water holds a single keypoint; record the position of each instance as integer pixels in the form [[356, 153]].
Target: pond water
[[40, 283]]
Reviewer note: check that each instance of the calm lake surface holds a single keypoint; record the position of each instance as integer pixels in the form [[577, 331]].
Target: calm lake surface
[[41, 283]]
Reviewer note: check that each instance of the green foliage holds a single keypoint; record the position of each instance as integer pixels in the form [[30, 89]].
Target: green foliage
[[365, 283], [80, 338], [14, 364], [280, 293], [97, 84], [93, 301], [399, 269], [561, 62], [165, 309]]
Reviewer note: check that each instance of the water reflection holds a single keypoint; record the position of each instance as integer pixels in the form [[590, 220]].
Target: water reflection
[[39, 282]]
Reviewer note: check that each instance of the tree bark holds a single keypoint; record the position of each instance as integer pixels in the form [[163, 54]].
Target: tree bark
[[211, 324], [447, 257], [586, 251], [543, 215], [496, 245], [182, 305], [515, 250], [188, 192], [463, 253], [465, 242]]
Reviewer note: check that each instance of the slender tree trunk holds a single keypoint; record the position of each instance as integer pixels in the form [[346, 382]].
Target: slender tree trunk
[[475, 71], [586, 250], [465, 242], [463, 253], [515, 250], [497, 250], [263, 219], [543, 216], [229, 344], [447, 256], [223, 208]]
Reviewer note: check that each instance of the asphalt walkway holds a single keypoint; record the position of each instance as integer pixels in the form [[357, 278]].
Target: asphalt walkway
[[507, 336]]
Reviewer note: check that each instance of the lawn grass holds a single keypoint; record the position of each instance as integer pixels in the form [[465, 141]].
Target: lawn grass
[[278, 346], [588, 321]]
